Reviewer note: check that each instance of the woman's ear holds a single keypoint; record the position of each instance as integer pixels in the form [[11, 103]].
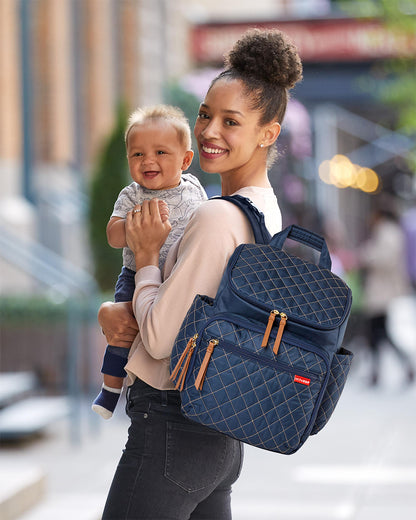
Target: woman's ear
[[189, 154], [271, 133]]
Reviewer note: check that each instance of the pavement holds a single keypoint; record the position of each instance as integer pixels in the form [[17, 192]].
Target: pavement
[[362, 466]]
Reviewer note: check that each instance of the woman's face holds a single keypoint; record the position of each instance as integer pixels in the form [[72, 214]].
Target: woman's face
[[227, 130]]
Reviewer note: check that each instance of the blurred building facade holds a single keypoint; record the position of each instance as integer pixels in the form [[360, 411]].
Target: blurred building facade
[[82, 57], [65, 64]]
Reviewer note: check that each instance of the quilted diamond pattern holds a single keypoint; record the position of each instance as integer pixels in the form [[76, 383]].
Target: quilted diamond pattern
[[250, 341], [289, 284], [244, 405], [340, 368], [197, 315], [248, 392], [239, 396]]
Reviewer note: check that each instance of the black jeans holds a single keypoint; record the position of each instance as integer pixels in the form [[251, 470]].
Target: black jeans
[[171, 468]]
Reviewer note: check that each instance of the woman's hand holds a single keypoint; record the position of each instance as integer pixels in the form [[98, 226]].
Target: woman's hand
[[146, 232], [118, 323], [163, 210]]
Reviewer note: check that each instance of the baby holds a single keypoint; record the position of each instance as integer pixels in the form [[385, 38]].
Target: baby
[[158, 144]]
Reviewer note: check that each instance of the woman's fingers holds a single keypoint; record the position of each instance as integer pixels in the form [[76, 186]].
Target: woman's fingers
[[150, 208], [152, 216], [163, 210], [155, 209], [146, 232], [137, 210], [145, 208]]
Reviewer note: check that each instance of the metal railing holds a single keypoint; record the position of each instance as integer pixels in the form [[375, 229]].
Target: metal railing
[[71, 282]]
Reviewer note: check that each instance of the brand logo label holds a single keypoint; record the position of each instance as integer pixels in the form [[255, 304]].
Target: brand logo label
[[302, 380]]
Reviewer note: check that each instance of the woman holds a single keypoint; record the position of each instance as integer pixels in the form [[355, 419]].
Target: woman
[[172, 468]]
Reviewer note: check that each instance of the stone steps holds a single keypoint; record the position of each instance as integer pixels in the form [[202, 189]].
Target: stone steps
[[24, 496], [68, 507], [31, 416], [20, 490]]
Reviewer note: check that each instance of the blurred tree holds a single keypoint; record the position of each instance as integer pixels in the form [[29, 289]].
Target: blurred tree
[[399, 74], [110, 175]]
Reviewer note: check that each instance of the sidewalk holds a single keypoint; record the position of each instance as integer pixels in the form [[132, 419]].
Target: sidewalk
[[77, 474], [362, 466]]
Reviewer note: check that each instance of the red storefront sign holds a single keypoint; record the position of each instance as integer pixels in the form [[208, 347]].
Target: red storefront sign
[[317, 40]]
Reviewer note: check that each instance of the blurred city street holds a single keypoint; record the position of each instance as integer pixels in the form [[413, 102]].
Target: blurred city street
[[71, 71], [362, 466]]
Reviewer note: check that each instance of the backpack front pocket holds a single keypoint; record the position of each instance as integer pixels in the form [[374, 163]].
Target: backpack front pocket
[[237, 386]]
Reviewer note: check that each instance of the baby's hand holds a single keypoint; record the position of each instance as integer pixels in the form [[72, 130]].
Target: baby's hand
[[164, 210]]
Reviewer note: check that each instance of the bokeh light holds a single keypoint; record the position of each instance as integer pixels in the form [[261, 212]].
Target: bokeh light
[[342, 173]]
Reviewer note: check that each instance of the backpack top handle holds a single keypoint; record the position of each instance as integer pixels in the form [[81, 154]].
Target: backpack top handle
[[294, 232], [306, 237]]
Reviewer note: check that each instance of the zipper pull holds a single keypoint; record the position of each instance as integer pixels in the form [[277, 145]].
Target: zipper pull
[[199, 382], [272, 317], [181, 381], [187, 352], [282, 324]]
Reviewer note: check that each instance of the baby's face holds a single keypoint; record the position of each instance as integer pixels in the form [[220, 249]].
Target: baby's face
[[155, 155]]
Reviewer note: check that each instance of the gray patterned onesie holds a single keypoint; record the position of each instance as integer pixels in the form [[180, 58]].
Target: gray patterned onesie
[[182, 202]]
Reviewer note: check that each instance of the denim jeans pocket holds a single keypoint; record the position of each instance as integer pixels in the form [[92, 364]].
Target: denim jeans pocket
[[195, 456]]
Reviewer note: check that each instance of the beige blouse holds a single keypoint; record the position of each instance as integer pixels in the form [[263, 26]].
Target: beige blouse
[[195, 265]]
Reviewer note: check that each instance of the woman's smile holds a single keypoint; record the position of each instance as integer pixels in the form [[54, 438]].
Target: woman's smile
[[211, 151]]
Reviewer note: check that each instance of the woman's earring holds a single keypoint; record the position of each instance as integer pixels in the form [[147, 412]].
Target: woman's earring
[[261, 146]]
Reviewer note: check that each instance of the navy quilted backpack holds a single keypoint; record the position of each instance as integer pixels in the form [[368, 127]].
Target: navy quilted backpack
[[262, 362]]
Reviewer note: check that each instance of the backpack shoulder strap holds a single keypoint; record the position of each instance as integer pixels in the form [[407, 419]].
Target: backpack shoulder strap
[[255, 217]]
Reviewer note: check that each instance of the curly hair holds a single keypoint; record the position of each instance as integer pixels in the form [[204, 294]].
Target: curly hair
[[168, 113], [268, 64]]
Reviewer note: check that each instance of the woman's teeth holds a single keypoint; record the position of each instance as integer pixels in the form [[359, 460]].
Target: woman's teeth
[[212, 150]]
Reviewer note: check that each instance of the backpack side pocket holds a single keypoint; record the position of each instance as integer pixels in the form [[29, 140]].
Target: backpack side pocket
[[340, 368]]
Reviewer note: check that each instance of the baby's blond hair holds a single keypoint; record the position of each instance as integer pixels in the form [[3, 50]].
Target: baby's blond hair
[[168, 113]]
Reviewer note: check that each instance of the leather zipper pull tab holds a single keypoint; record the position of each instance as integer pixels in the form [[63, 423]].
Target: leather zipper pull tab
[[282, 324], [181, 381], [189, 345], [199, 382], [272, 317]]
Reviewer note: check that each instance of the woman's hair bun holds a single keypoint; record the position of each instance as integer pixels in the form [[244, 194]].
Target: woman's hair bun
[[266, 55]]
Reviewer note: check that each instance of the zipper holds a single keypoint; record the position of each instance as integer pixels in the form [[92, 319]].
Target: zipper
[[272, 317], [225, 345], [199, 382], [195, 343], [185, 359], [255, 327], [297, 319], [282, 324]]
